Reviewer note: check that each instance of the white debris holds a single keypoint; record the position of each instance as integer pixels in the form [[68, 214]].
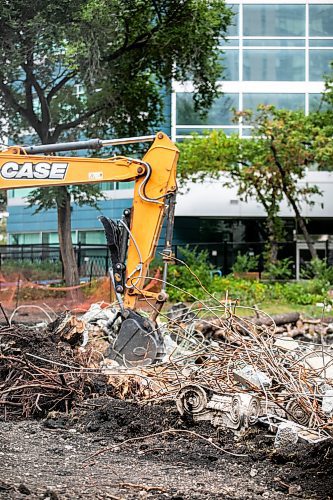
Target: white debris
[[286, 344], [327, 404], [249, 375], [253, 472], [170, 347], [321, 363], [99, 316], [95, 312]]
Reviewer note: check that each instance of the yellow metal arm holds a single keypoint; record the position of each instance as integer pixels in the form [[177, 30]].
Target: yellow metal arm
[[155, 179]]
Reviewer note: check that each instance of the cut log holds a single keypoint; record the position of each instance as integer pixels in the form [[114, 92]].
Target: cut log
[[279, 319]]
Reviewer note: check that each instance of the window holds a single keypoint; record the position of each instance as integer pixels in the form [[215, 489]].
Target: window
[[282, 101], [316, 103], [25, 238], [230, 42], [219, 114], [107, 186], [19, 193], [92, 237], [274, 20], [110, 186], [274, 65], [229, 60], [282, 42], [319, 63], [233, 29], [202, 131], [125, 185], [328, 42], [321, 20], [53, 238]]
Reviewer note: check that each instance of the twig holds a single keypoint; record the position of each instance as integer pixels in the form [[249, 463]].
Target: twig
[[169, 431], [5, 315], [141, 487]]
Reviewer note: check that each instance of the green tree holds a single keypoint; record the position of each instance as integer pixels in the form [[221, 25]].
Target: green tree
[[235, 159], [92, 67], [268, 166]]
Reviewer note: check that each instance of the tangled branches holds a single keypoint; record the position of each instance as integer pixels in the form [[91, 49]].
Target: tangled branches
[[250, 358], [31, 385]]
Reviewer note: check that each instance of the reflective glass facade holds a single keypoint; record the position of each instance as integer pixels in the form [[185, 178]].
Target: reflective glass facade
[[273, 20], [273, 65], [219, 114], [275, 53]]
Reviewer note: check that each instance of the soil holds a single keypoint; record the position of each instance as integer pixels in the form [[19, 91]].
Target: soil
[[108, 448], [91, 454]]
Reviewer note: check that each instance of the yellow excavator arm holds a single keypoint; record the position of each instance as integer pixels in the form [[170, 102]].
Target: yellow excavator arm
[[132, 240]]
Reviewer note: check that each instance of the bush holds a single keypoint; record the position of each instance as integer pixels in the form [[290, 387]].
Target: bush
[[248, 292], [38, 270], [318, 269], [185, 279], [280, 270], [300, 293], [245, 263]]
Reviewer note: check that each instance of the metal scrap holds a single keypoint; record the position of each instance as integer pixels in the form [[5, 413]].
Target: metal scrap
[[250, 375]]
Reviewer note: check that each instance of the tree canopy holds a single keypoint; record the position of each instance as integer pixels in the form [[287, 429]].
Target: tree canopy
[[99, 65], [96, 68], [269, 165]]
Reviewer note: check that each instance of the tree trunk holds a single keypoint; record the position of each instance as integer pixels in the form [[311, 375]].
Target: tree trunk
[[272, 242], [71, 272], [302, 225], [271, 225], [65, 239], [299, 218]]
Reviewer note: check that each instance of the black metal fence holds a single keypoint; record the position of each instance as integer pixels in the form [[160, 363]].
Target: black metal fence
[[93, 260]]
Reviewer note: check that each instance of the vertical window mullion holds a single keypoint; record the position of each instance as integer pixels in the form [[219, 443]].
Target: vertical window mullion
[[307, 54], [240, 99]]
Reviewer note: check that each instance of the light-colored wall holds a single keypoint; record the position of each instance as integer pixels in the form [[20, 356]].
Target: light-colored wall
[[211, 199]]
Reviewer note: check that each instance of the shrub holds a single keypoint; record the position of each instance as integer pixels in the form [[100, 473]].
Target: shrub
[[245, 263], [188, 279], [37, 270], [280, 270], [297, 293], [318, 269], [248, 292]]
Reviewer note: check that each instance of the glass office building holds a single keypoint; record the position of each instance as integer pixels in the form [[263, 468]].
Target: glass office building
[[276, 53]]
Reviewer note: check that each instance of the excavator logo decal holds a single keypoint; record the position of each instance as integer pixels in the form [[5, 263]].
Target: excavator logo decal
[[28, 170]]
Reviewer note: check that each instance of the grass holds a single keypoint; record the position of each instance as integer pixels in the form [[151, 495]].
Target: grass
[[281, 308]]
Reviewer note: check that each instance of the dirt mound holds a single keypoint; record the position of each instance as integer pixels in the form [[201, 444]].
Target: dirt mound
[[85, 443], [108, 448], [39, 372]]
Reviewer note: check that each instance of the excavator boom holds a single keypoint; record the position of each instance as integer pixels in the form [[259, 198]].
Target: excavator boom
[[132, 240]]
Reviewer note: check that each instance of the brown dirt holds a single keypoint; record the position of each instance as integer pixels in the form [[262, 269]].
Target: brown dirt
[[54, 459]]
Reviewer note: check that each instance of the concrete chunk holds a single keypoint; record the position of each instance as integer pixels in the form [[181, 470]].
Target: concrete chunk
[[250, 376]]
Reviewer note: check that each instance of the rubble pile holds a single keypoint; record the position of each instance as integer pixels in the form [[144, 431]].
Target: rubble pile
[[292, 325], [41, 369], [235, 372], [251, 374]]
